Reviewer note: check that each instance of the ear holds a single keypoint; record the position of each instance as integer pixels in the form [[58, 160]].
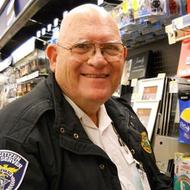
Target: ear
[[125, 53], [51, 52]]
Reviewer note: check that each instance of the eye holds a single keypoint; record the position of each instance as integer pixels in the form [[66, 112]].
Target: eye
[[82, 48], [112, 49]]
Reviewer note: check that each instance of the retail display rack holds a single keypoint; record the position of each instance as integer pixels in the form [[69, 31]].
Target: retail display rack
[[22, 70], [179, 29]]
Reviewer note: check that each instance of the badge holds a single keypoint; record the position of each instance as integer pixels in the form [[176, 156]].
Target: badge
[[145, 143], [12, 169]]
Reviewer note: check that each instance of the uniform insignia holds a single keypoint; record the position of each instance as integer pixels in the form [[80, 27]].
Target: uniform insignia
[[145, 142], [12, 169]]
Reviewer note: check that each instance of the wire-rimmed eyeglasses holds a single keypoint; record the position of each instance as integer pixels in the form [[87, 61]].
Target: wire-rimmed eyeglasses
[[112, 51]]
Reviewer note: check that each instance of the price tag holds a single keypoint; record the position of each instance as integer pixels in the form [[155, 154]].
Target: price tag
[[173, 87], [100, 2], [161, 75], [134, 82]]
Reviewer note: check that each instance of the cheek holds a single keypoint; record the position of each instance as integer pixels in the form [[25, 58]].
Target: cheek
[[118, 70], [61, 71], [67, 70]]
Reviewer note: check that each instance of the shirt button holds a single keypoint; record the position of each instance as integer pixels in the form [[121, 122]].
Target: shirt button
[[62, 130], [102, 166], [75, 135]]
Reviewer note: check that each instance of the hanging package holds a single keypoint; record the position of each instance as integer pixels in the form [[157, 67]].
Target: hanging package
[[184, 122]]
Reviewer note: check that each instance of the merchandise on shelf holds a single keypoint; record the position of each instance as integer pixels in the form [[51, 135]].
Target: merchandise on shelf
[[143, 21], [188, 6], [23, 69], [29, 72], [24, 88], [174, 7], [182, 172], [8, 87], [178, 30], [183, 69], [184, 122]]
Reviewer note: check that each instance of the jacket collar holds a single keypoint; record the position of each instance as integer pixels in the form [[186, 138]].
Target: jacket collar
[[65, 117]]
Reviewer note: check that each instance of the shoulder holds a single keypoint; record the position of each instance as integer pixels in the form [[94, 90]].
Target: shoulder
[[20, 116], [121, 103], [126, 109]]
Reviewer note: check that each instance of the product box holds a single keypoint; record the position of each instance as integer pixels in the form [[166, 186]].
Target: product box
[[182, 172], [174, 7], [144, 8], [188, 7], [184, 121], [183, 69], [158, 7]]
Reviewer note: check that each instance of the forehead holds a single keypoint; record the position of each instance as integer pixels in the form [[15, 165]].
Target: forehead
[[90, 26]]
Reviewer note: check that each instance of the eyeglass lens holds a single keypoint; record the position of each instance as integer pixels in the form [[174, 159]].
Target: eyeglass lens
[[111, 51]]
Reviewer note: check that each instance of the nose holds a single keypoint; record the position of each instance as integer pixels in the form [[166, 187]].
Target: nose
[[97, 58]]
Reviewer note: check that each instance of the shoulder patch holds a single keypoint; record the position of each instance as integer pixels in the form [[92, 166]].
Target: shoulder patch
[[145, 143], [12, 169]]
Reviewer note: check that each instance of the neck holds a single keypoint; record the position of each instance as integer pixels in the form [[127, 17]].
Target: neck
[[92, 110], [94, 118]]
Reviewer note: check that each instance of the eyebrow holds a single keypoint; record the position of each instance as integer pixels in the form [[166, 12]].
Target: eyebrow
[[89, 41]]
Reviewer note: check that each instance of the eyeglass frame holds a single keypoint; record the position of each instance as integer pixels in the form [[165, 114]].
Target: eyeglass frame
[[94, 45]]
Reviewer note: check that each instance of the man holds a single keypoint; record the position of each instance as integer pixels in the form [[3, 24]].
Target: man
[[68, 133]]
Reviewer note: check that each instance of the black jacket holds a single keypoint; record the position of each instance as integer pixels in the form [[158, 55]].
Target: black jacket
[[43, 128]]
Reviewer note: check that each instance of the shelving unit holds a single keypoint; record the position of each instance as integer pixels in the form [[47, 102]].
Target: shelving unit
[[179, 29], [30, 8]]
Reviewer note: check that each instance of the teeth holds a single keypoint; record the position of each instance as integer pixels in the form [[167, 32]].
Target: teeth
[[95, 75]]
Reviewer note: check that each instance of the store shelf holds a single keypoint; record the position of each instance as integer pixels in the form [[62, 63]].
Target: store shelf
[[5, 63], [31, 46], [28, 77], [179, 29], [21, 19]]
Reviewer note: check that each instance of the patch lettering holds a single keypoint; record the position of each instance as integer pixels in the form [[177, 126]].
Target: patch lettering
[[12, 169]]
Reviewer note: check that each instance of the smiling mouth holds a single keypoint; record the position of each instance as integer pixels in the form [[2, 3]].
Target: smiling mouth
[[96, 75]]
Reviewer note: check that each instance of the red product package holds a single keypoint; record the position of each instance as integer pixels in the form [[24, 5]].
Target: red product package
[[188, 6], [183, 69]]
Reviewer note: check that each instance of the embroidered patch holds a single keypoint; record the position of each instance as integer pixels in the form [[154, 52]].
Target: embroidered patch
[[145, 142], [12, 169]]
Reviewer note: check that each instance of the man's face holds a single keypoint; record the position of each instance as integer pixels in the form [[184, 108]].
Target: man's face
[[93, 79]]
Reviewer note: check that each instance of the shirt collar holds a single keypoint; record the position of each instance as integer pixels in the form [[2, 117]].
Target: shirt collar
[[104, 119]]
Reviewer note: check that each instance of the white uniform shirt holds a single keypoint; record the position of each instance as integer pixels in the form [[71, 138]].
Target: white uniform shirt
[[105, 137]]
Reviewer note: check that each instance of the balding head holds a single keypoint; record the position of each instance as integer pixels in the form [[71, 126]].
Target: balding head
[[89, 8], [82, 14]]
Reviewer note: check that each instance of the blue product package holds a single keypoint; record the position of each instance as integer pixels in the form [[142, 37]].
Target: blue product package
[[184, 121]]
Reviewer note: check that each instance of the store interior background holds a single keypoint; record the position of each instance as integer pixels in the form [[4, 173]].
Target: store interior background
[[41, 13]]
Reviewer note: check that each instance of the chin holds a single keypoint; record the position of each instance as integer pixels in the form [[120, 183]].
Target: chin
[[99, 97]]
